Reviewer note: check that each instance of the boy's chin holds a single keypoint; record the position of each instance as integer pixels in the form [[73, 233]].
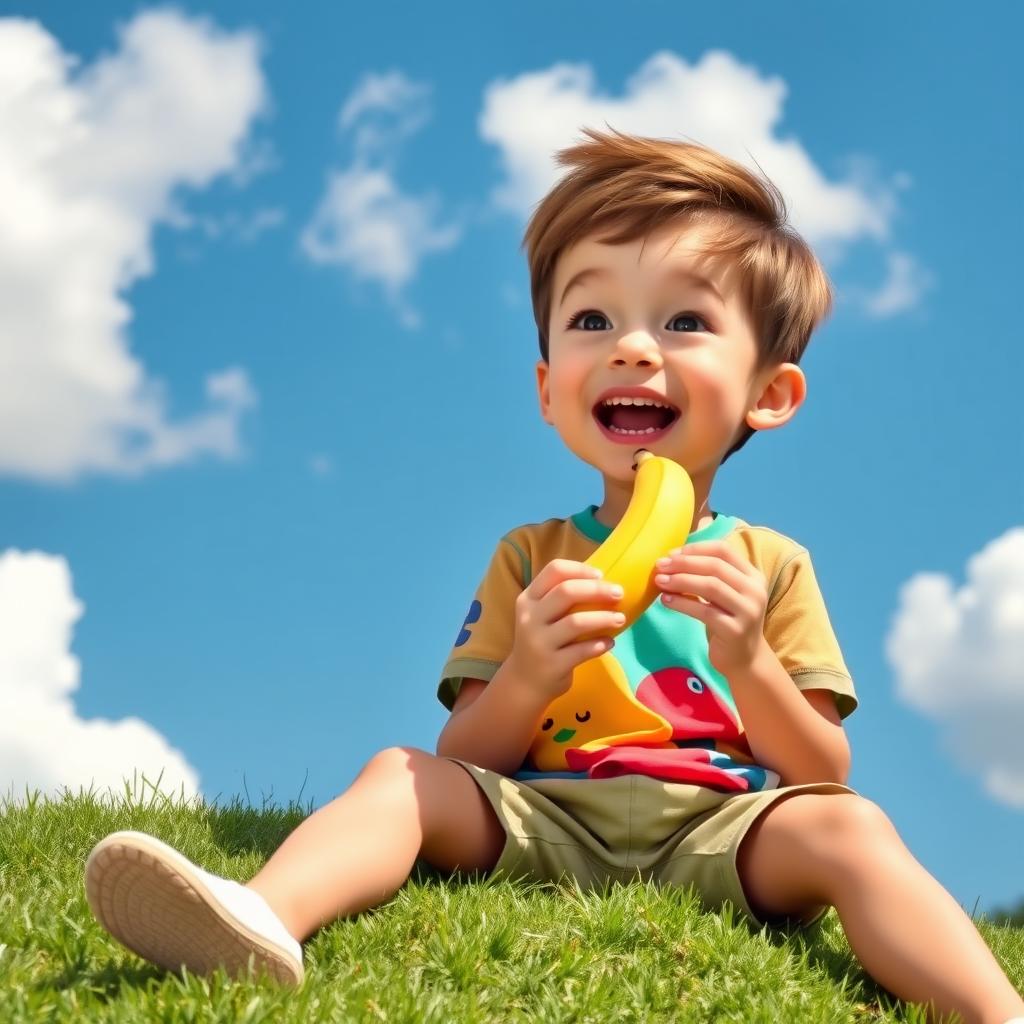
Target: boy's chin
[[621, 465]]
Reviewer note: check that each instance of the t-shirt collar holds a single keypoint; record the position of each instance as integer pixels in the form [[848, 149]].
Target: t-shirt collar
[[589, 526]]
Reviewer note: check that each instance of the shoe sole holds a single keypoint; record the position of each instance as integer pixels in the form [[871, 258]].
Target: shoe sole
[[149, 897]]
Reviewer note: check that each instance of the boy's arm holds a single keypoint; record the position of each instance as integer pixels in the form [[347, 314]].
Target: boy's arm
[[796, 733], [494, 724], [797, 729], [771, 642]]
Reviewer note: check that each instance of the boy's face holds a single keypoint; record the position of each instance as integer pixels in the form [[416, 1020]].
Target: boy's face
[[647, 321]]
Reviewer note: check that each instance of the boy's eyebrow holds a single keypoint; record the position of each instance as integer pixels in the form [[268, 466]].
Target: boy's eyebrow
[[688, 275]]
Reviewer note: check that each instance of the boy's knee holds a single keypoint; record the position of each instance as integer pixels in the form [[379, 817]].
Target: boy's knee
[[396, 760], [857, 825], [861, 816]]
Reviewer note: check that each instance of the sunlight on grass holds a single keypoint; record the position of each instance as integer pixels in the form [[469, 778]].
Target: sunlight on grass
[[443, 949]]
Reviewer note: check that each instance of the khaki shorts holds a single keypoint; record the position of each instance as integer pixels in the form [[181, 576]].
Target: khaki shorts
[[631, 827]]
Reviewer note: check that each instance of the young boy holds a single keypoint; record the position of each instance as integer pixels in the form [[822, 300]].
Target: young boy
[[673, 306]]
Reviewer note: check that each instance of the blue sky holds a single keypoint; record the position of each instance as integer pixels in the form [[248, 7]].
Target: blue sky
[[259, 434]]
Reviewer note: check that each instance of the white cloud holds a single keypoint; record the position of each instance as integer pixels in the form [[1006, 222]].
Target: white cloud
[[242, 227], [364, 222], [958, 655], [718, 102], [903, 287], [44, 744], [407, 102], [90, 160]]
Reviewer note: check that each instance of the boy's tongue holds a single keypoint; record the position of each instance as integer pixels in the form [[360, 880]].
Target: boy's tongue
[[637, 417]]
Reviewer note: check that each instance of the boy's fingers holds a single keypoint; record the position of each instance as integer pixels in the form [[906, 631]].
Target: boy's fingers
[[574, 593], [720, 549], [705, 589], [716, 568], [739, 573], [557, 570], [688, 604]]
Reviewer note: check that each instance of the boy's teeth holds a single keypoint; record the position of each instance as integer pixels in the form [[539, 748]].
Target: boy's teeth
[[629, 411], [619, 400]]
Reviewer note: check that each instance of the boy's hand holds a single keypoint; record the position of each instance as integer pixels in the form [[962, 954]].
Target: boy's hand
[[734, 599], [546, 647]]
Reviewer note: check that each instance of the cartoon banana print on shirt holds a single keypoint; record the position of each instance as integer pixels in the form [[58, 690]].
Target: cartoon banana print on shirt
[[598, 710]]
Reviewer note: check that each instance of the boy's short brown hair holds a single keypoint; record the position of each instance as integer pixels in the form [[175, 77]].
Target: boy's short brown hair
[[639, 184]]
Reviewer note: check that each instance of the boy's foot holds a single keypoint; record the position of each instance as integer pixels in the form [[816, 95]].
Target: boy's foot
[[160, 905]]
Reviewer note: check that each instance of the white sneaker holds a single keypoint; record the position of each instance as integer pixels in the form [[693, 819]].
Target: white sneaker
[[160, 905]]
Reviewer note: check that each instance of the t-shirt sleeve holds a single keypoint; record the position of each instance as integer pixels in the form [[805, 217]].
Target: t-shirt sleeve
[[485, 638], [798, 630]]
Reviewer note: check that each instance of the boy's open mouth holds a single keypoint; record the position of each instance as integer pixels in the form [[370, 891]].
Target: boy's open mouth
[[625, 421]]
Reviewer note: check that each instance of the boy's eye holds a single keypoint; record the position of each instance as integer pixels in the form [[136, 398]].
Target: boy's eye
[[689, 316], [587, 315], [582, 317]]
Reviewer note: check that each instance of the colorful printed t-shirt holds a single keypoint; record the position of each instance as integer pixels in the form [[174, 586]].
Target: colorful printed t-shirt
[[653, 704]]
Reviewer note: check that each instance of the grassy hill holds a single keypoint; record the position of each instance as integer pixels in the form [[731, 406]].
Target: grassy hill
[[443, 950]]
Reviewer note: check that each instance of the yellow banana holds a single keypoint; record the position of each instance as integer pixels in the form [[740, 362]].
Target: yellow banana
[[657, 519]]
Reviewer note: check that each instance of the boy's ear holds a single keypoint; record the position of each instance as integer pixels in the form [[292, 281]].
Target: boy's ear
[[779, 392], [542, 390]]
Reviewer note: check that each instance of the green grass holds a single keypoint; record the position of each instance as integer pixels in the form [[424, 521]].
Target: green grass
[[442, 950]]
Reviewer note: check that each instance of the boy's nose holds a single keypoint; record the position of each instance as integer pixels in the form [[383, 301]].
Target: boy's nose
[[638, 347]]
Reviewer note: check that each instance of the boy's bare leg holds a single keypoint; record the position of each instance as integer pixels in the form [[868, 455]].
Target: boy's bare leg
[[359, 849], [907, 931]]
